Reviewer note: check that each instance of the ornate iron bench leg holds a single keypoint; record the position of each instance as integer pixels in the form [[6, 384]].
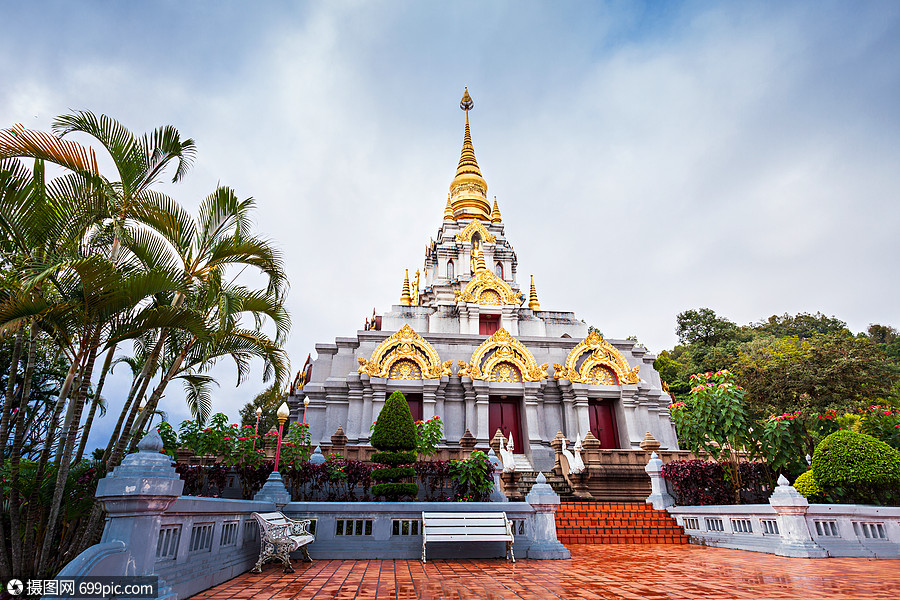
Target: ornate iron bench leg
[[305, 552], [284, 555], [266, 552], [509, 547]]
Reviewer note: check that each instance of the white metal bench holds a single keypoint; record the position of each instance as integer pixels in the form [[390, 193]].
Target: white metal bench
[[278, 537], [467, 527]]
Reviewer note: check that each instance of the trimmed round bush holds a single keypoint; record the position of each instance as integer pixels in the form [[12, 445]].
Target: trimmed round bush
[[857, 468], [807, 486], [394, 429], [394, 434]]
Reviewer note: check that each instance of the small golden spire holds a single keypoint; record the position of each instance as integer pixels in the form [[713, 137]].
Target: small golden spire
[[404, 297], [479, 261], [448, 210], [533, 303], [495, 214], [414, 292]]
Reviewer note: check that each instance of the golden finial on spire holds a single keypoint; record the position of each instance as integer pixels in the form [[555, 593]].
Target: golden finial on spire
[[448, 210], [495, 214], [468, 189], [414, 291], [533, 303], [405, 300]]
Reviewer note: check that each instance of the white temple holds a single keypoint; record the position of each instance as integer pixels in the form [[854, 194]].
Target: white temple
[[464, 344]]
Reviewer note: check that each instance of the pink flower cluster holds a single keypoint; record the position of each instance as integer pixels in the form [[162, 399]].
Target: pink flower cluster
[[787, 416], [677, 405]]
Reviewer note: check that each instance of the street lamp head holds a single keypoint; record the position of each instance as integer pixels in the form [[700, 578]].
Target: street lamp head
[[306, 402], [142, 405], [283, 413], [258, 412]]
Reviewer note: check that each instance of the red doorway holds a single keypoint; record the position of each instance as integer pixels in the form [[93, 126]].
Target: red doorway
[[488, 325], [503, 414], [415, 405], [603, 424]]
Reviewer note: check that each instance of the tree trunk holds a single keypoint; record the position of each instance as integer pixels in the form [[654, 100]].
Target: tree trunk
[[31, 523], [74, 419], [90, 417], [15, 499], [5, 572]]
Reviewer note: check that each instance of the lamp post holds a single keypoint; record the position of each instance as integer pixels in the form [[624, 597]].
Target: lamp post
[[283, 413], [305, 404], [256, 429]]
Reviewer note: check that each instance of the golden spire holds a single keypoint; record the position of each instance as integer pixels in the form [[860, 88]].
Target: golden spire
[[533, 303], [495, 213], [468, 190], [448, 210], [479, 261], [404, 297]]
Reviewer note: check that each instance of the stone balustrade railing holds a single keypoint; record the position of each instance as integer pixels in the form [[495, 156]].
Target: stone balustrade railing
[[787, 526], [193, 543]]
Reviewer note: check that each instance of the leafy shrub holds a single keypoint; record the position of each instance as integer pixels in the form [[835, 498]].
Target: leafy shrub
[[428, 435], [394, 434], [394, 429], [703, 483], [854, 467], [473, 477], [807, 486]]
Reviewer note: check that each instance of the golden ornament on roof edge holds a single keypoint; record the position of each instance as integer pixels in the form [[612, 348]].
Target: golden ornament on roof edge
[[600, 354], [498, 350], [405, 345]]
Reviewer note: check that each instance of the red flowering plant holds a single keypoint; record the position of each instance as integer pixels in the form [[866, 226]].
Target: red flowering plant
[[428, 435], [242, 447], [295, 443], [716, 420], [881, 422], [786, 439]]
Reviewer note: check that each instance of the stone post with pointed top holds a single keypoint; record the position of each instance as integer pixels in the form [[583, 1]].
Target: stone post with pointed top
[[497, 494], [659, 494], [791, 506], [545, 501]]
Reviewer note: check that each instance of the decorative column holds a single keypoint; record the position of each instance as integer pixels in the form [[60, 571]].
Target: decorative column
[[582, 419], [482, 401], [429, 397], [509, 319], [134, 495], [791, 506], [659, 494], [362, 436], [533, 424], [545, 501], [357, 426]]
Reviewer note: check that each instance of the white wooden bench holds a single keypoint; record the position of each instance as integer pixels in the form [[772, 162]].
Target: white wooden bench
[[278, 537], [467, 527]]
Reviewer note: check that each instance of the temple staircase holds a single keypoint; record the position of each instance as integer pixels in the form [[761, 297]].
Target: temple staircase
[[616, 523]]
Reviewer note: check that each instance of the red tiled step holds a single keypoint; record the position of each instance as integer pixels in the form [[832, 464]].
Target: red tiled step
[[616, 523]]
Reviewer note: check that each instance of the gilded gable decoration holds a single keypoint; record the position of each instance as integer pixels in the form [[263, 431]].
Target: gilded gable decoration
[[597, 362], [475, 226], [405, 355], [486, 288], [503, 358]]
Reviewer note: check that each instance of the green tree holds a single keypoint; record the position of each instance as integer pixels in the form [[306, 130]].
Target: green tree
[[394, 435], [803, 325], [703, 325]]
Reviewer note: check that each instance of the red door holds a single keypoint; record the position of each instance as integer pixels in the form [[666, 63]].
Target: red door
[[603, 424], [415, 405], [488, 325], [504, 414]]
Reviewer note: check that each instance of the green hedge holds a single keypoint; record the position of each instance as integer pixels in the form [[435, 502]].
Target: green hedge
[[394, 428], [853, 467], [394, 434], [807, 486]]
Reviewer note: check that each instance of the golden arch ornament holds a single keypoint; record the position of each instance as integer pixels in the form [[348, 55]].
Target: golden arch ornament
[[405, 355], [486, 288], [602, 365], [502, 357], [475, 226]]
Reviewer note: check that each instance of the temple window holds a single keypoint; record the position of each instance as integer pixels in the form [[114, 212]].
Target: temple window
[[450, 270], [498, 269]]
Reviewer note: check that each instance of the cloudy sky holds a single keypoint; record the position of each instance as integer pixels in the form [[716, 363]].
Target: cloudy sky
[[648, 157]]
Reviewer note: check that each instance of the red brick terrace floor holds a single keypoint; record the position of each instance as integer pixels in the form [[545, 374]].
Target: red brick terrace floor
[[595, 572]]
